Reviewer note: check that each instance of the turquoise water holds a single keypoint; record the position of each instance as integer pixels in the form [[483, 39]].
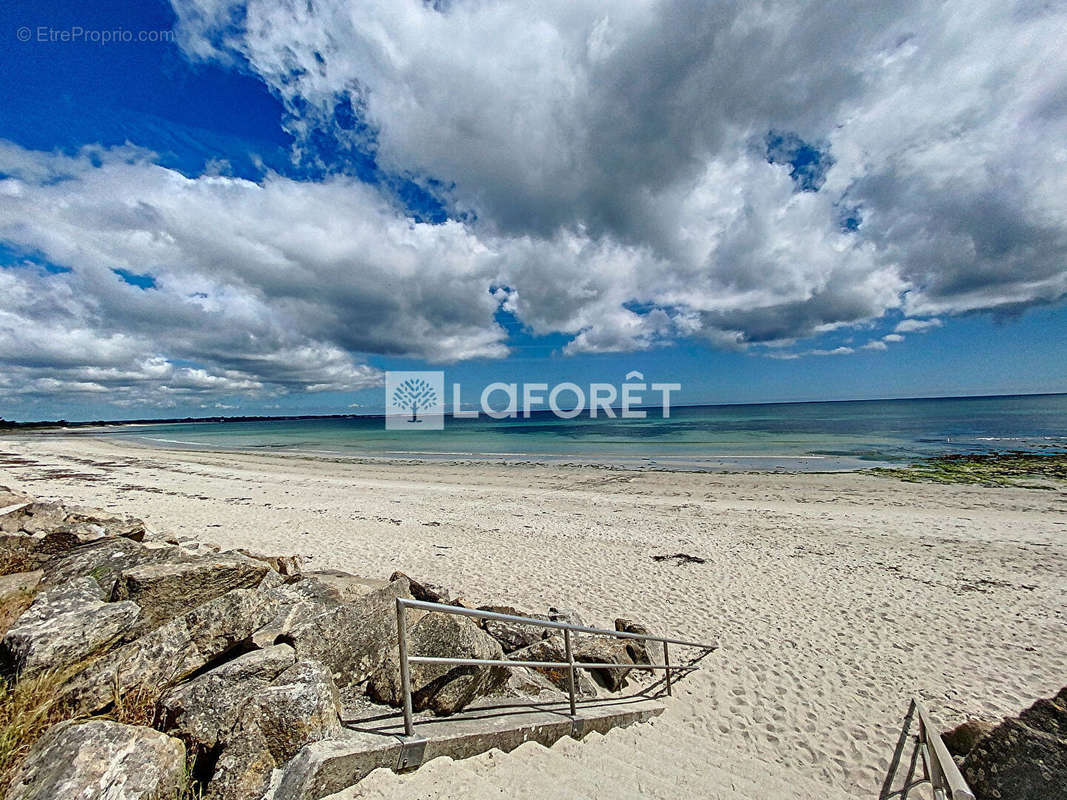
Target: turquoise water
[[794, 436]]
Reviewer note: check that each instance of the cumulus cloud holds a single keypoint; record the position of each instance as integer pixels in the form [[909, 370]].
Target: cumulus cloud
[[818, 351], [654, 125], [628, 175], [917, 325]]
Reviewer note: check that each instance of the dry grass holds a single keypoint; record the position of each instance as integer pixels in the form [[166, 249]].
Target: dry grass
[[33, 705], [12, 604], [137, 706], [140, 706], [189, 789], [26, 712]]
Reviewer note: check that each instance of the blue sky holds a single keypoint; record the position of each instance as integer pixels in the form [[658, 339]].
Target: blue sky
[[241, 222]]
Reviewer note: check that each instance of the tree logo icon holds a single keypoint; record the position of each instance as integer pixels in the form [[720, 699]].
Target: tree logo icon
[[414, 400], [416, 394]]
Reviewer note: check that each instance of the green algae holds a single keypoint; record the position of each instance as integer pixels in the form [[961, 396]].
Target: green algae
[[1012, 469]]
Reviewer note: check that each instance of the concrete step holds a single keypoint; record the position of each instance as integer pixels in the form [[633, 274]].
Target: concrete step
[[327, 767], [533, 772], [664, 759], [440, 779]]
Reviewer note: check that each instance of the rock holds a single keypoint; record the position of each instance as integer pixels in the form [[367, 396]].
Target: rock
[[1023, 757], [18, 553], [553, 648], [205, 708], [165, 590], [99, 759], [314, 589], [427, 592], [291, 615], [598, 650], [24, 553], [107, 524], [16, 593], [567, 615], [11, 521], [272, 580], [438, 687], [85, 531], [962, 739], [65, 625], [175, 650], [308, 595], [345, 586], [195, 548], [637, 649], [351, 639], [9, 497], [524, 682], [332, 587], [55, 543], [37, 518], [1049, 716], [105, 560], [300, 707], [512, 635], [40, 518], [283, 565]]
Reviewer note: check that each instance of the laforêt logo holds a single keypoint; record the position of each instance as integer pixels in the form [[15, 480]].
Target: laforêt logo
[[414, 400], [416, 394]]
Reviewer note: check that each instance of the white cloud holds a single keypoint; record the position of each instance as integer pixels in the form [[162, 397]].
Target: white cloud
[[917, 325], [788, 356], [641, 125]]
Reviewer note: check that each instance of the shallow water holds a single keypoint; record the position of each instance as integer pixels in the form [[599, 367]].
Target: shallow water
[[793, 436]]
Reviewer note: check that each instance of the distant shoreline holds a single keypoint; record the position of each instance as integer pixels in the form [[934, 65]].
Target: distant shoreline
[[61, 424]]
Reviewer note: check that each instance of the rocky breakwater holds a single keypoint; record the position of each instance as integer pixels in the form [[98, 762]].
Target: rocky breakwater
[[1021, 757], [156, 667]]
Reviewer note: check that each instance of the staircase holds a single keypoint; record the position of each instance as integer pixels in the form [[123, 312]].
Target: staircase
[[659, 759]]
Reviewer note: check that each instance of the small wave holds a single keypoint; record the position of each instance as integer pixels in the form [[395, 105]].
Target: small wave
[[448, 453], [170, 441], [1019, 438]]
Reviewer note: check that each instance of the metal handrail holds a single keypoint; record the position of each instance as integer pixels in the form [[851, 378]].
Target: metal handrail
[[403, 603], [941, 770]]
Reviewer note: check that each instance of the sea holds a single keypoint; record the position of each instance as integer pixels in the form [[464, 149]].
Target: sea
[[812, 437]]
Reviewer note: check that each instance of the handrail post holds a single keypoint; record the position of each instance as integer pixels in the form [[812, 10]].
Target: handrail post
[[405, 669], [944, 776], [570, 669], [667, 668], [933, 768]]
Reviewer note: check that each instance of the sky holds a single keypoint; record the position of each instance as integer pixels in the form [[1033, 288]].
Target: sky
[[210, 207]]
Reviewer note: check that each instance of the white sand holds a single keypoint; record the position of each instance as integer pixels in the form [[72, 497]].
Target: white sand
[[835, 597]]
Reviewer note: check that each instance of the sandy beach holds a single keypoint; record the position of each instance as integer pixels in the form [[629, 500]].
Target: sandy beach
[[835, 597]]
